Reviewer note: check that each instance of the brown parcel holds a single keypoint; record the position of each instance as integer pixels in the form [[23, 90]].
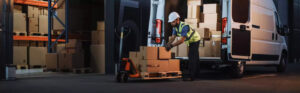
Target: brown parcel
[[52, 61], [163, 53]]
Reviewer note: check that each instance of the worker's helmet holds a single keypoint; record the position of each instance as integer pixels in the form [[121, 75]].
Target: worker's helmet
[[173, 16]]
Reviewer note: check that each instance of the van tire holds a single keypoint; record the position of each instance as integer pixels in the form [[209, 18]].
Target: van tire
[[238, 69], [283, 63]]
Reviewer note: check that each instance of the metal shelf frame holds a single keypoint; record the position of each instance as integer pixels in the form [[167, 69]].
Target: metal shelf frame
[[51, 14]]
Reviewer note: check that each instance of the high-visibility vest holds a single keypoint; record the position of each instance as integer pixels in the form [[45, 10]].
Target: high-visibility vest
[[192, 35]]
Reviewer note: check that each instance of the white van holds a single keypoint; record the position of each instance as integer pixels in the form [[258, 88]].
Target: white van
[[251, 35]]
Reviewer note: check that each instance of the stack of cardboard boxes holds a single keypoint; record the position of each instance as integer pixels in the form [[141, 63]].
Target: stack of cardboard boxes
[[68, 57], [210, 31], [38, 19], [154, 60], [98, 48], [193, 13]]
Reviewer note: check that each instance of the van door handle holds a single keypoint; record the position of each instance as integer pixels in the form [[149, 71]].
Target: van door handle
[[256, 26], [272, 36]]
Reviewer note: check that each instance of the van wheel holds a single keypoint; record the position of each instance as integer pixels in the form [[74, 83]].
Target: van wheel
[[238, 69], [283, 64]]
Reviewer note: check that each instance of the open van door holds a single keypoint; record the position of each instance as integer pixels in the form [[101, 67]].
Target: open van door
[[240, 30]]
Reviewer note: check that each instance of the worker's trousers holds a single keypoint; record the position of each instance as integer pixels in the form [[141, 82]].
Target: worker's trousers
[[193, 64]]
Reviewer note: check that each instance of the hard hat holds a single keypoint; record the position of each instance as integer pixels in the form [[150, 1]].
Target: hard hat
[[173, 16]]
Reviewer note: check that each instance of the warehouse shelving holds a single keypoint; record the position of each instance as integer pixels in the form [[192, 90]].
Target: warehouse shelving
[[34, 3]]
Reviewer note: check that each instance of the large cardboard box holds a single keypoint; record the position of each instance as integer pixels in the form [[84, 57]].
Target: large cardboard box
[[33, 25], [194, 11], [98, 58], [149, 53], [174, 65], [20, 55], [52, 61], [163, 65], [210, 8], [136, 59], [37, 56], [194, 2], [33, 12], [101, 25], [150, 66], [19, 22], [98, 37], [18, 8], [43, 24], [163, 53], [69, 61]]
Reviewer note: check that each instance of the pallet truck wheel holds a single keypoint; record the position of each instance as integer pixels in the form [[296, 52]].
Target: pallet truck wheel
[[122, 77]]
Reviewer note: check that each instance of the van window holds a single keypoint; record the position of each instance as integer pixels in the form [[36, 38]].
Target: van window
[[240, 10], [277, 21]]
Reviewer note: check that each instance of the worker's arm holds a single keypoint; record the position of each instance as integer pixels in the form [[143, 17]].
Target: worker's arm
[[182, 39], [172, 39]]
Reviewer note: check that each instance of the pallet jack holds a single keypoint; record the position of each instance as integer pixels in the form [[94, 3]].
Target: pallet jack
[[125, 67]]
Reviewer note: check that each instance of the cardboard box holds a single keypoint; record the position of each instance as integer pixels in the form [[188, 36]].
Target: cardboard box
[[43, 24], [19, 22], [98, 37], [183, 50], [194, 11], [52, 61], [194, 2], [211, 18], [210, 8], [70, 61], [61, 15], [33, 12], [150, 66], [149, 53], [174, 49], [98, 58], [215, 26], [174, 65], [37, 56], [18, 8], [163, 53], [33, 25], [201, 52], [163, 65], [101, 25], [74, 43], [191, 20], [45, 11], [216, 48], [20, 55]]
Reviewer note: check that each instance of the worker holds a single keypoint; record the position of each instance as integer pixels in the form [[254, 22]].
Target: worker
[[188, 36]]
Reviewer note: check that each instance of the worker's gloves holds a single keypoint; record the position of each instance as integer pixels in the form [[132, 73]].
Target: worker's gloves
[[169, 47]]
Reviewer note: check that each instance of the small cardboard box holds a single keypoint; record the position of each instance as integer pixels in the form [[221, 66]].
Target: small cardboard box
[[174, 65], [210, 8], [194, 2], [70, 61], [149, 66], [20, 55], [101, 25], [149, 53], [183, 50], [51, 60], [98, 58], [163, 65], [19, 22], [34, 25], [43, 24], [163, 53]]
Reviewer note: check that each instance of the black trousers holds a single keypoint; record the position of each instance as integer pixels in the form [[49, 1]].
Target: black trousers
[[193, 64]]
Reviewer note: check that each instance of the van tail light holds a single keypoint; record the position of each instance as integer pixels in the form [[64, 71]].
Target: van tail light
[[158, 31], [224, 23]]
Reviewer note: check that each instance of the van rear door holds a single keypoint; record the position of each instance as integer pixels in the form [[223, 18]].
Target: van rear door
[[240, 45]]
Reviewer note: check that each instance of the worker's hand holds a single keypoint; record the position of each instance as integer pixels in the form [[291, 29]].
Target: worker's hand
[[169, 47]]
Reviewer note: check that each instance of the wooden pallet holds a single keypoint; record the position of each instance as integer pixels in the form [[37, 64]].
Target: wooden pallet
[[161, 75], [38, 34], [19, 33], [22, 66], [37, 66], [82, 70]]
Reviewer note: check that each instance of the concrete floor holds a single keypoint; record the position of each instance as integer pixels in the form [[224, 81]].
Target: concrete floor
[[256, 80]]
